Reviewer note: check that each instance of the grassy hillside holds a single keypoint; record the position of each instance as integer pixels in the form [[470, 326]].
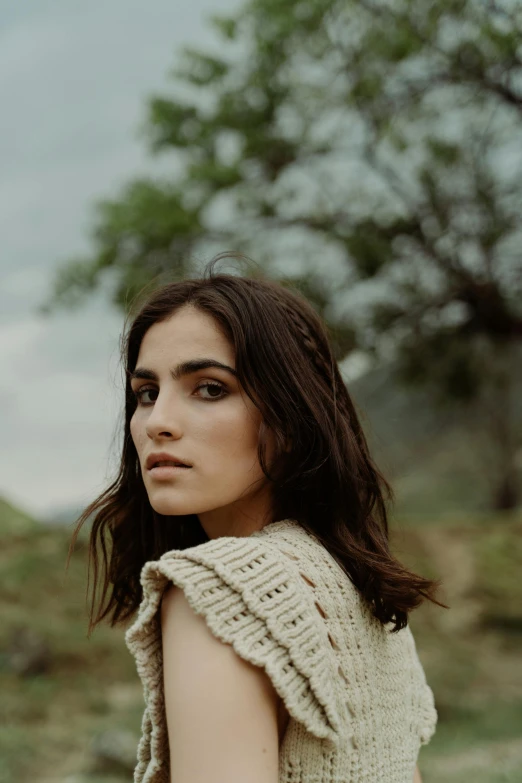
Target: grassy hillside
[[13, 520], [471, 652], [74, 715], [77, 688]]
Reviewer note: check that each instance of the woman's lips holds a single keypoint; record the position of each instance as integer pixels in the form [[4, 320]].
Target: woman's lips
[[167, 471]]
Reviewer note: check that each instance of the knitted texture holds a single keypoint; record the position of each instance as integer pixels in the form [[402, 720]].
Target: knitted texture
[[357, 696]]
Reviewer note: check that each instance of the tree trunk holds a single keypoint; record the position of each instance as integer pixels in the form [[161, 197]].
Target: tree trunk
[[497, 420], [507, 494]]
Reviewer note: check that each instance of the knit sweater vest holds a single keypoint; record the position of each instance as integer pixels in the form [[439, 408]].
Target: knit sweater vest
[[356, 694]]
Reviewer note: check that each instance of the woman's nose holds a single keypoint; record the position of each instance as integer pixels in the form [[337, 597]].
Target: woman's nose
[[163, 419]]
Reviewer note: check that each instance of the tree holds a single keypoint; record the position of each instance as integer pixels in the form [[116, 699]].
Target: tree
[[379, 139]]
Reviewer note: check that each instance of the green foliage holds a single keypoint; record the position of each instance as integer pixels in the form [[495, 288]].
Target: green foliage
[[448, 154], [370, 248], [144, 236], [225, 25], [171, 124], [201, 69]]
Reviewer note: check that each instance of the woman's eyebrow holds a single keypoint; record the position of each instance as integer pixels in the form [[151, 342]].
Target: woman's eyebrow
[[184, 368]]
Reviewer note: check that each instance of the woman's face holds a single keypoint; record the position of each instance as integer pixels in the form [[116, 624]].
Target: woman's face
[[200, 417]]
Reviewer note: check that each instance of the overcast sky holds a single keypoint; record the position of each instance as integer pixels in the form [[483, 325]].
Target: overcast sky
[[73, 82]]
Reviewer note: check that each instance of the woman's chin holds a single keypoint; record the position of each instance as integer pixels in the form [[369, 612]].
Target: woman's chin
[[170, 509]]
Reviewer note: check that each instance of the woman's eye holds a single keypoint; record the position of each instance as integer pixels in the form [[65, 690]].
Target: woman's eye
[[215, 390], [139, 395]]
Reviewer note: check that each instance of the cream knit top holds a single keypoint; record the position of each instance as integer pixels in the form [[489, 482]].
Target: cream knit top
[[356, 694]]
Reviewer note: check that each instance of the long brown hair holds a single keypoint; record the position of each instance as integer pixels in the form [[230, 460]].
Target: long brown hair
[[328, 481]]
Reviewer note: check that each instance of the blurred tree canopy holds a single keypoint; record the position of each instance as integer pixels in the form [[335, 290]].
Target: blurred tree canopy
[[369, 150]]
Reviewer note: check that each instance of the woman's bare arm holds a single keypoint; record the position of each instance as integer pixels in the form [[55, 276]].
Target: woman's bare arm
[[221, 711], [417, 777]]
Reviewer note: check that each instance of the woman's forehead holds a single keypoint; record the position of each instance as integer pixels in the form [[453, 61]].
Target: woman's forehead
[[184, 335]]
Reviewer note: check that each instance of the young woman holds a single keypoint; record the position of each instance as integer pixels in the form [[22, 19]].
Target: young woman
[[271, 636]]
